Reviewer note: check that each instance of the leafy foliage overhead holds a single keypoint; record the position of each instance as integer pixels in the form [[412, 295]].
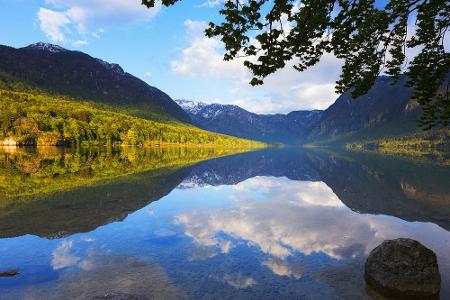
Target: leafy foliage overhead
[[369, 37]]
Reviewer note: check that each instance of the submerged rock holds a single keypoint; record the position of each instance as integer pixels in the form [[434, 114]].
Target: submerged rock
[[403, 268], [9, 273], [119, 296]]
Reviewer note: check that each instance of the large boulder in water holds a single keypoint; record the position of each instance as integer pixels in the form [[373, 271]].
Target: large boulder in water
[[403, 268]]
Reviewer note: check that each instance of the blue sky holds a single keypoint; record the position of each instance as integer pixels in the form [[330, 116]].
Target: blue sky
[[166, 48]]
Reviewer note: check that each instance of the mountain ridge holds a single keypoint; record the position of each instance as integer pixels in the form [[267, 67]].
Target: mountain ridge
[[231, 119], [387, 102], [77, 74], [51, 96], [387, 110]]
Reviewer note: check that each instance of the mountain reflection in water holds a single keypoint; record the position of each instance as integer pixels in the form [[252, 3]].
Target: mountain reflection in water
[[276, 223]]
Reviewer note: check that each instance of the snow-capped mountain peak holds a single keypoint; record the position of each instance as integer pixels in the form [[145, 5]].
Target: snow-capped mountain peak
[[205, 110], [46, 47], [234, 120], [192, 107]]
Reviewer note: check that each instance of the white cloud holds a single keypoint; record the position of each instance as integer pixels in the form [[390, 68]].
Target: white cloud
[[288, 217], [80, 43], [316, 193], [284, 91], [203, 58], [211, 3], [68, 254], [296, 218], [285, 268], [164, 232], [62, 256], [53, 24], [239, 281], [67, 20]]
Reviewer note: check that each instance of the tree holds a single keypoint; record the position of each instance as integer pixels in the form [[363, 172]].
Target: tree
[[370, 39]]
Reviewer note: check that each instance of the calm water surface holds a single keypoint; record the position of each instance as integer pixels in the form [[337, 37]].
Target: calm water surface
[[271, 224]]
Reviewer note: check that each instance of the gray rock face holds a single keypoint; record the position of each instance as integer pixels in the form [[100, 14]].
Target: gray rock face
[[403, 268]]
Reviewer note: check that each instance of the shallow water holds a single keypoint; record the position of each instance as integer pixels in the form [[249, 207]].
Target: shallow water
[[271, 224]]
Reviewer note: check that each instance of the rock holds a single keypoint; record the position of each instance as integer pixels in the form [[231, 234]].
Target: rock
[[8, 142], [62, 143], [403, 268], [9, 273], [27, 142], [120, 296], [14, 143]]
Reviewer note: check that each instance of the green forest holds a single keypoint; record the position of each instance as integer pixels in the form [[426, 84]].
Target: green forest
[[37, 118], [428, 145]]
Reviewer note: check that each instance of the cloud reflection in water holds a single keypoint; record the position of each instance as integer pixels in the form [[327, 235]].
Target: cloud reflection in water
[[287, 217]]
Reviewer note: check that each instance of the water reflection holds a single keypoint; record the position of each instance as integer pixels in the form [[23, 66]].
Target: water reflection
[[99, 275], [284, 222], [29, 173], [87, 208], [368, 183], [40, 195], [66, 191], [270, 224], [281, 267]]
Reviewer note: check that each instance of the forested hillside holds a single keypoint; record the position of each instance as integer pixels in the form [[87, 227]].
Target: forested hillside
[[387, 111], [33, 118], [385, 103], [60, 71], [433, 144]]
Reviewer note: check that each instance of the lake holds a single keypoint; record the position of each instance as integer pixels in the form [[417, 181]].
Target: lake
[[287, 223]]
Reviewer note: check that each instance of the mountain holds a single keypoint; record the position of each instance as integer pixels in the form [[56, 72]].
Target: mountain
[[234, 120], [78, 75], [386, 110], [51, 96]]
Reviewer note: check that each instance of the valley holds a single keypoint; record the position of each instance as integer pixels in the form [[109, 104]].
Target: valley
[[385, 118], [86, 101]]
